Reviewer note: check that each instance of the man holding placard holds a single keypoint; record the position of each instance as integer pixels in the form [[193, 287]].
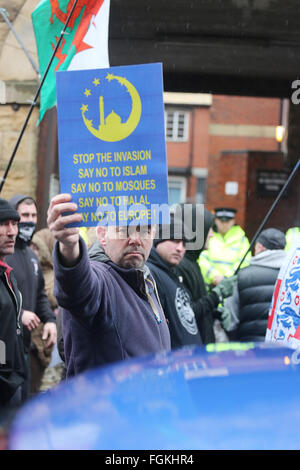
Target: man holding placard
[[111, 140], [112, 160], [111, 310]]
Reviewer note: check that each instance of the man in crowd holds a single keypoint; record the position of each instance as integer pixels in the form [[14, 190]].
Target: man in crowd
[[189, 269], [201, 222], [190, 322], [109, 307], [30, 280], [245, 314], [226, 248], [12, 359]]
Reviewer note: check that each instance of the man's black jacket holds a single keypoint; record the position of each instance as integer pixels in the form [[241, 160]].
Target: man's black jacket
[[12, 361], [31, 283]]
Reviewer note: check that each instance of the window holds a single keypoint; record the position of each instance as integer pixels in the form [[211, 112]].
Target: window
[[177, 190], [176, 125]]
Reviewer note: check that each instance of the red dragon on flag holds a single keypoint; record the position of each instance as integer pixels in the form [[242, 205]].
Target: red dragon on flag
[[91, 8], [84, 45]]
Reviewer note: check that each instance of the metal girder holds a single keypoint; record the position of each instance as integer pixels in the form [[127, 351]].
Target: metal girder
[[249, 47]]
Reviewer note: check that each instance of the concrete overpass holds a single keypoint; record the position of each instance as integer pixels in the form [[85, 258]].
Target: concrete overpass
[[247, 47]]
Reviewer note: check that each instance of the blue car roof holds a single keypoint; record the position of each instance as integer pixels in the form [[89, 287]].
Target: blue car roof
[[222, 396]]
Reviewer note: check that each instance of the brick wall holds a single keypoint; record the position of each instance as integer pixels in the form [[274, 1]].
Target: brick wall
[[219, 144], [252, 206], [193, 152], [232, 126], [285, 213], [244, 110], [228, 167]]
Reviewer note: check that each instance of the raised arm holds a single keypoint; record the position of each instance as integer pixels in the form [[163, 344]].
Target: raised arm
[[61, 212]]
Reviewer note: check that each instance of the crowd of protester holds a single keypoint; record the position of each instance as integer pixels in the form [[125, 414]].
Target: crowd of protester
[[86, 298]]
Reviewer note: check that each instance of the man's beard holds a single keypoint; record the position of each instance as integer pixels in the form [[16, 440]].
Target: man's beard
[[134, 261]]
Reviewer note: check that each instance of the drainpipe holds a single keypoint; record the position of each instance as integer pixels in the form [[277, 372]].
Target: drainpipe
[[191, 156]]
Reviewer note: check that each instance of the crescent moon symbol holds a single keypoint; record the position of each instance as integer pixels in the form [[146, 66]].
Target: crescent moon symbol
[[111, 129]]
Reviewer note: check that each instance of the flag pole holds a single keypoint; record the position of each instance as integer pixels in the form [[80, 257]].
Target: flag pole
[[33, 103], [280, 194]]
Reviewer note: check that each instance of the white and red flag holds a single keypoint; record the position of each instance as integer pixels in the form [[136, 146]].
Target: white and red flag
[[84, 45], [284, 315]]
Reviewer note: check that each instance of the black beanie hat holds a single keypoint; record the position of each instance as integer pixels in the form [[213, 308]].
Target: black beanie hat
[[173, 231], [272, 239], [7, 211]]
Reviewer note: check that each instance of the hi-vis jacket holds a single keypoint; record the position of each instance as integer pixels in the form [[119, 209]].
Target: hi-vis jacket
[[291, 236], [224, 254]]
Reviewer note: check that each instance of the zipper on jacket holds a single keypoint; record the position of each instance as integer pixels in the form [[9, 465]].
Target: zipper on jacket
[[155, 310], [18, 305]]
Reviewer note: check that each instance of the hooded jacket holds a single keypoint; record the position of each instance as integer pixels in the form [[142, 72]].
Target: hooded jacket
[[12, 361], [189, 268], [30, 280], [106, 313], [193, 280], [252, 296], [176, 302]]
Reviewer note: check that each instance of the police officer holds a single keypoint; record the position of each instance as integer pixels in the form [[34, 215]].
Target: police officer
[[291, 236], [226, 248]]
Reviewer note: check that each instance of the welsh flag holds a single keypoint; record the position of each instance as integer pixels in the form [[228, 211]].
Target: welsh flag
[[84, 46]]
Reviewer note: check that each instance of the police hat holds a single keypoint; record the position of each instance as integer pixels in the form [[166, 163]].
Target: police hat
[[225, 213]]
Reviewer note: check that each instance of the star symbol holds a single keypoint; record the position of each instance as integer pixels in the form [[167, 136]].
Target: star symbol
[[109, 77], [96, 81], [87, 92], [84, 108]]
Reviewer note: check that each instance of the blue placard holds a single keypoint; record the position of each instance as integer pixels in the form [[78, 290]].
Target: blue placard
[[111, 136]]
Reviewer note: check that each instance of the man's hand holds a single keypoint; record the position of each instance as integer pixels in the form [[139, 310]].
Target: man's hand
[[217, 280], [225, 287], [225, 317], [50, 334], [30, 320], [68, 237]]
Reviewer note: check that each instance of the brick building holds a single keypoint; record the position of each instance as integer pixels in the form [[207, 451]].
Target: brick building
[[220, 147], [201, 126], [187, 119]]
